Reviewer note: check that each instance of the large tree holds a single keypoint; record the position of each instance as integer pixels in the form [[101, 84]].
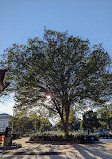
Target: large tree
[[58, 72]]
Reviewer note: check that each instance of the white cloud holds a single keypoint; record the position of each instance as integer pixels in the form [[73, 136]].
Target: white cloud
[[6, 106]]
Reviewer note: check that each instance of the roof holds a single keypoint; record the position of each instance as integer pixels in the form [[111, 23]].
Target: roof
[[4, 115]]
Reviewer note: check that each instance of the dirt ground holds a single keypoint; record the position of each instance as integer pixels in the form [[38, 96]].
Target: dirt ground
[[99, 150]]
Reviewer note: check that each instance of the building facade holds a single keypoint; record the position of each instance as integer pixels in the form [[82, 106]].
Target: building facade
[[4, 121]]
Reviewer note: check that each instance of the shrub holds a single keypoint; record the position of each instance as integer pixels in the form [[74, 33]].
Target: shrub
[[15, 136], [2, 133], [59, 137], [96, 138], [53, 137]]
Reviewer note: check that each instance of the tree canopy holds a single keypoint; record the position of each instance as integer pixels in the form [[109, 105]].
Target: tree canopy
[[105, 116], [21, 121], [62, 67]]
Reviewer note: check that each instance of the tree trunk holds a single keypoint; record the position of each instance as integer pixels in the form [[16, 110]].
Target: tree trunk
[[88, 131], [65, 122], [67, 110], [66, 128]]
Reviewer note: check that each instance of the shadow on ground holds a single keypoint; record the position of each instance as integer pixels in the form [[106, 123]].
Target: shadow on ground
[[73, 151], [93, 151]]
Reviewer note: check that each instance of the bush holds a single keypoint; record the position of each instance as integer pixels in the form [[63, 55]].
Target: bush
[[96, 138], [2, 133], [15, 136], [59, 137], [53, 137]]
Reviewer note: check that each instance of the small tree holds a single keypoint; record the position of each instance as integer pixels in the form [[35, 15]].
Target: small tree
[[90, 121], [105, 116]]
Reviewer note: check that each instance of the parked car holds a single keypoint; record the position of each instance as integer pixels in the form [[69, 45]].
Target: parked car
[[104, 134]]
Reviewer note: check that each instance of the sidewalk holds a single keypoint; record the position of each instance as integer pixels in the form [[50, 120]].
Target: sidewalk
[[98, 150]]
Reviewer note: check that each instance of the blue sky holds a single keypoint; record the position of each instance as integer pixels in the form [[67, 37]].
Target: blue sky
[[23, 19]]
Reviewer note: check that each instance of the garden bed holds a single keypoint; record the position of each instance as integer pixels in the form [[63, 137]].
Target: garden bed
[[46, 138]]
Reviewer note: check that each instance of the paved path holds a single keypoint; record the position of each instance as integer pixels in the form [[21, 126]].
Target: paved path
[[106, 140], [99, 150]]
